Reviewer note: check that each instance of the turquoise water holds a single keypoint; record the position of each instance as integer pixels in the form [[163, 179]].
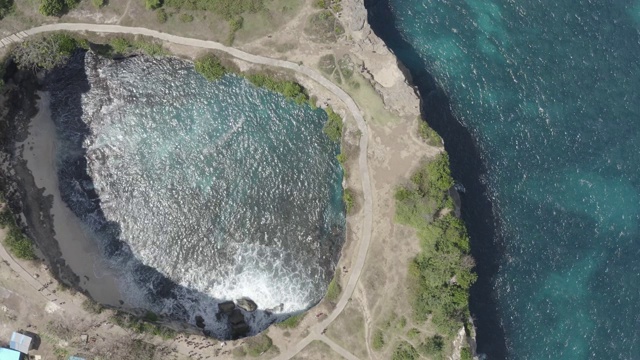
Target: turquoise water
[[550, 93], [225, 189]]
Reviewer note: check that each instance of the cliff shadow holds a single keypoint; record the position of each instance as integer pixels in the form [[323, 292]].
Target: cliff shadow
[[467, 168], [179, 307]]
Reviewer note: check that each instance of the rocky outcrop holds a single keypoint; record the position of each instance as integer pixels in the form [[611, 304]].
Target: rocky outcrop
[[247, 304], [379, 64]]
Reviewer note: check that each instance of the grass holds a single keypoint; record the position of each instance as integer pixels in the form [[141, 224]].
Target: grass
[[292, 322], [334, 289], [124, 46], [378, 340], [323, 27], [258, 345], [210, 67]]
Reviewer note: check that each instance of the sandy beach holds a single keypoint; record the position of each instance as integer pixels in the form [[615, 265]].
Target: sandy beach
[[78, 249]]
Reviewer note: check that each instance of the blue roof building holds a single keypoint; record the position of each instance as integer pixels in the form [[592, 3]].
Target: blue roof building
[[8, 354]]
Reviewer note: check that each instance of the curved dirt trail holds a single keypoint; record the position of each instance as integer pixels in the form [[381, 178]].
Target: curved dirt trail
[[365, 238]]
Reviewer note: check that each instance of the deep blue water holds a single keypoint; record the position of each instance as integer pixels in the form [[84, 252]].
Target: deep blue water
[[548, 96], [199, 192]]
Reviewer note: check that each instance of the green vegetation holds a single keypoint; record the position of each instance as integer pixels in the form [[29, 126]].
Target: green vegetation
[[127, 321], [235, 24], [324, 27], [433, 347], [61, 353], [342, 158], [124, 46], [465, 353], [17, 243], [6, 7], [290, 89], [225, 8], [91, 306], [56, 7], [378, 340], [442, 272], [99, 3], [257, 345], [348, 199], [47, 51], [153, 4], [429, 135], [320, 4], [186, 18], [162, 16], [405, 351], [334, 289], [413, 333], [210, 67], [292, 322], [333, 127]]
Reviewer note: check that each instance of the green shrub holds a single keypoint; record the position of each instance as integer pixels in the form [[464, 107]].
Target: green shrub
[[210, 67], [378, 340], [433, 346], [19, 244], [429, 135], [334, 289], [98, 3], [6, 218], [6, 7], [162, 16], [441, 274], [121, 45], [333, 127], [153, 4], [405, 351], [51, 7], [290, 89], [292, 321], [342, 158], [258, 344], [320, 4], [348, 199], [186, 18], [91, 306], [465, 353]]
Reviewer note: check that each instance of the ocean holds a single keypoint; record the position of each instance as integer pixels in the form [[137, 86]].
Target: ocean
[[539, 106], [198, 192]]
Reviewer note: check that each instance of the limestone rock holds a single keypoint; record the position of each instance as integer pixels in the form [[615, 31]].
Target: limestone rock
[[226, 307], [247, 304]]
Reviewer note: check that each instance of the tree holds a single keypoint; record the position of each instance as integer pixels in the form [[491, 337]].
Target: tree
[[52, 7], [6, 7]]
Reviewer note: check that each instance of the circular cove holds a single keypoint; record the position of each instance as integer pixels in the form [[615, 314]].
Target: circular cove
[[198, 192]]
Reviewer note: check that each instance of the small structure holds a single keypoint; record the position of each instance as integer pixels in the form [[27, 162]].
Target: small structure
[[9, 354], [75, 358], [20, 342]]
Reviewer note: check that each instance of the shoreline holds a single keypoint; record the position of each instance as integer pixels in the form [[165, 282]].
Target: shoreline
[[467, 167], [80, 252]]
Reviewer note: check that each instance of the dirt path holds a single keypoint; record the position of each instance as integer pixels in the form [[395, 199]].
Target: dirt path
[[126, 10], [365, 238]]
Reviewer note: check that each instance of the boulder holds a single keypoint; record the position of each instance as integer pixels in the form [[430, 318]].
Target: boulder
[[226, 307], [247, 304]]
